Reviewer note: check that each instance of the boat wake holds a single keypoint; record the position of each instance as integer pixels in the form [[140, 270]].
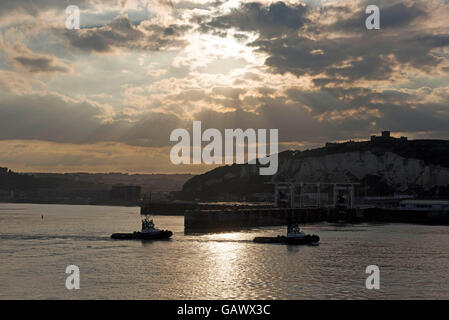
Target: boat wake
[[52, 237], [215, 240]]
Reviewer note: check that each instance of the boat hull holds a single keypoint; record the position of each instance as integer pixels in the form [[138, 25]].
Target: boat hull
[[161, 235], [308, 239]]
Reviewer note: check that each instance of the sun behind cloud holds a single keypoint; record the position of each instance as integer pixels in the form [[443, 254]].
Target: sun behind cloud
[[136, 70]]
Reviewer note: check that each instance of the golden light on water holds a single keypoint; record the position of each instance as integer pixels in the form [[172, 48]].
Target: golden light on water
[[226, 263], [228, 236]]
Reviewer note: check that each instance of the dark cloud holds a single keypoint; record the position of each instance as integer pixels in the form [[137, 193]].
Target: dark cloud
[[307, 116], [36, 7], [393, 15], [270, 21], [120, 33], [347, 111], [371, 55], [47, 118], [39, 64], [328, 114], [153, 129], [298, 42], [53, 118]]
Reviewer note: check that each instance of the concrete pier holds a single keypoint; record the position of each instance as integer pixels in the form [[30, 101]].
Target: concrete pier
[[216, 220], [227, 220], [179, 207]]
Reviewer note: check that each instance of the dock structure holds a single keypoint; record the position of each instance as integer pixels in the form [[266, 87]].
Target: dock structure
[[178, 208], [297, 202], [295, 190], [222, 220], [301, 202], [310, 202]]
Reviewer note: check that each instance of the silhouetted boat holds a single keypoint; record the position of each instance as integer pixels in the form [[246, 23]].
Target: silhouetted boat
[[149, 232], [294, 236]]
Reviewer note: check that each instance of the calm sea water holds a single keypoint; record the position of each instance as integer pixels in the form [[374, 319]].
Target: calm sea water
[[413, 259]]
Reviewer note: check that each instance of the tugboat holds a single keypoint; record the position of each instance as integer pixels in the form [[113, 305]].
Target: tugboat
[[149, 232], [294, 236]]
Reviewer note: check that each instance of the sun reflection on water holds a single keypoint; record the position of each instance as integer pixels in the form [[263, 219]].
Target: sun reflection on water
[[226, 263]]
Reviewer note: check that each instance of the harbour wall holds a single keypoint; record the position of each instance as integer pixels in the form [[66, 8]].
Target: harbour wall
[[211, 220], [226, 220], [179, 208]]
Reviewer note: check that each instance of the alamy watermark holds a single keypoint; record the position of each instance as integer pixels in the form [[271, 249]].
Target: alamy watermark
[[213, 153], [373, 20], [73, 280], [72, 21], [373, 280]]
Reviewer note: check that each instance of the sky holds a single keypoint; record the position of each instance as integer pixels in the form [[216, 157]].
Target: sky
[[107, 96]]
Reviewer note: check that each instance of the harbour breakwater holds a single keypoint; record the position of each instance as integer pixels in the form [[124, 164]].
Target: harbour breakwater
[[178, 208], [222, 220], [227, 220]]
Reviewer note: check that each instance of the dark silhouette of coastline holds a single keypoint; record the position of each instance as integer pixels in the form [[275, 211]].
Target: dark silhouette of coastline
[[84, 188]]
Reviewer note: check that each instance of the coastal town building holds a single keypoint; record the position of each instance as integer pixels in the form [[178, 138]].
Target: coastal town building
[[386, 136]]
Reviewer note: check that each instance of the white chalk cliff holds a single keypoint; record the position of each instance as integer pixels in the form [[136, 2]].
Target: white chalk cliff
[[385, 166], [343, 167]]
